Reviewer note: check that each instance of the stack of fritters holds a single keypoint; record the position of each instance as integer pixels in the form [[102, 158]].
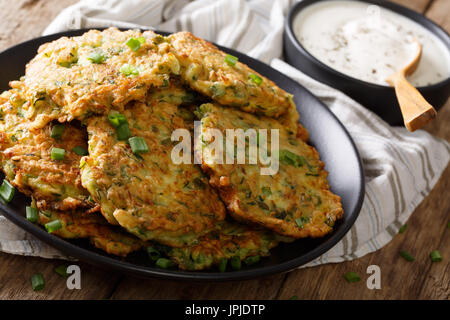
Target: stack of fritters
[[124, 200]]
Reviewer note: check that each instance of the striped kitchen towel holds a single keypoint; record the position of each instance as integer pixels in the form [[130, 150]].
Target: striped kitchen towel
[[401, 167]]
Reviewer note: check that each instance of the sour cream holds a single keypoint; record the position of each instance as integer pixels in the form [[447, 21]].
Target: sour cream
[[369, 42]]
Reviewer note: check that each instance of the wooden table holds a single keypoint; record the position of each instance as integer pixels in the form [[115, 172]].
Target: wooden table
[[427, 228]]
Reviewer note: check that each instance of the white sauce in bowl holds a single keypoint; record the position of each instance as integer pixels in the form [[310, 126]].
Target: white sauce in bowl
[[369, 42]]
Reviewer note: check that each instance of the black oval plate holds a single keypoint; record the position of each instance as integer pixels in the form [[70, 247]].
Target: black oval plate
[[327, 134]]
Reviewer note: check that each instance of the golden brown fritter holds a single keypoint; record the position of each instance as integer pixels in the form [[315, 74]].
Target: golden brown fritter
[[147, 193], [73, 78], [229, 240], [79, 224], [205, 69], [295, 202], [26, 157]]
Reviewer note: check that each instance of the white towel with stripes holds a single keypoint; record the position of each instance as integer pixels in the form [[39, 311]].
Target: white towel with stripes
[[401, 167]]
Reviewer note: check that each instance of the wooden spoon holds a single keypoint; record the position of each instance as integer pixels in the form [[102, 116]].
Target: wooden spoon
[[415, 109]]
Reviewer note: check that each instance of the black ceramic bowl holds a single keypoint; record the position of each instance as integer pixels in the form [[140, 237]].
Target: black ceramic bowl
[[379, 99]]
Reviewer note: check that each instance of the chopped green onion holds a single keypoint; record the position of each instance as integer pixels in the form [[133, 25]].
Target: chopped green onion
[[235, 263], [230, 60], [57, 154], [293, 298], [129, 70], [299, 222], [123, 132], [57, 131], [97, 57], [407, 256], [138, 145], [252, 260], [80, 151], [7, 191], [352, 277], [223, 264], [435, 256], [141, 40], [134, 44], [32, 214], [116, 119], [37, 282], [164, 263], [53, 226], [402, 228], [62, 271], [153, 254], [256, 79], [291, 158]]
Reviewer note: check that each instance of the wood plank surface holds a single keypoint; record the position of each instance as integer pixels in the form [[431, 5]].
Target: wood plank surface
[[427, 228]]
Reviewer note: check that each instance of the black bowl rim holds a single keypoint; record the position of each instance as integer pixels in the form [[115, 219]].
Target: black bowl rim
[[397, 8], [104, 261]]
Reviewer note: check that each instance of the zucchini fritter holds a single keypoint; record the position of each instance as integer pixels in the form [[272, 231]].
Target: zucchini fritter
[[79, 224], [26, 157], [229, 240], [205, 69], [294, 202], [73, 78], [147, 193]]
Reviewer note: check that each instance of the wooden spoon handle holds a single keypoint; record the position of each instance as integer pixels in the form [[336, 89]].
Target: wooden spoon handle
[[415, 109]]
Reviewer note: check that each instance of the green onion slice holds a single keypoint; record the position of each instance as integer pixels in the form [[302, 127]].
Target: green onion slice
[[80, 151], [52, 226], [407, 256], [252, 260], [129, 70], [164, 263], [352, 277], [7, 191], [57, 154], [435, 256], [32, 214], [231, 60], [134, 44], [235, 263], [153, 254], [256, 79], [402, 228], [123, 132], [116, 119], [299, 222], [37, 282], [223, 264], [97, 57], [138, 145], [62, 271], [57, 131]]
